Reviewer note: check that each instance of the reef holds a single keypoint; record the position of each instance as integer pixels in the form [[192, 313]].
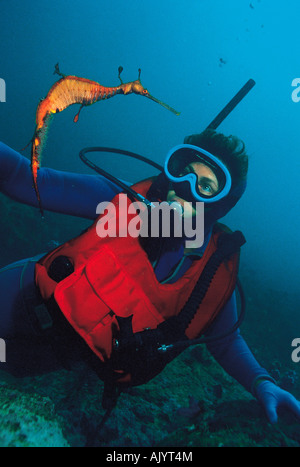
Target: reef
[[28, 420], [192, 403]]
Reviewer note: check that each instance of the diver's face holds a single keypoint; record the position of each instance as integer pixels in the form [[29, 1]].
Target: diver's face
[[208, 185]]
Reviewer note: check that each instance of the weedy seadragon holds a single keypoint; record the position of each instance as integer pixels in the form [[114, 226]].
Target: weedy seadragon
[[71, 90]]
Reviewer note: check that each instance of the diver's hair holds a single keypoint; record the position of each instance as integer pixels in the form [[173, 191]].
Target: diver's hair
[[229, 149]]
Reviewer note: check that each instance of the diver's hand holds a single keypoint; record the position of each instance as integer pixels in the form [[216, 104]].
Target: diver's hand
[[272, 397]]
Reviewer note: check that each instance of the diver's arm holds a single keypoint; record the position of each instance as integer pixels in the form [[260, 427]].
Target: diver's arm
[[232, 352], [235, 357], [62, 192]]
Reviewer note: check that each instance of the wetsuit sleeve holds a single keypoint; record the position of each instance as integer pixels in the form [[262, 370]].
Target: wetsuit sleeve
[[232, 352], [62, 192]]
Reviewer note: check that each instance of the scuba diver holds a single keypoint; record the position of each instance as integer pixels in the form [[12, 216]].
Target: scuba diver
[[128, 306]]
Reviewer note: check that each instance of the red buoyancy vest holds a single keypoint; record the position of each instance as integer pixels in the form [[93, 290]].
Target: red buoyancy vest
[[113, 277]]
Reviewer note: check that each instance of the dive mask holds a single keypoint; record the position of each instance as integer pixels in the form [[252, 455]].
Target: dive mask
[[186, 182]]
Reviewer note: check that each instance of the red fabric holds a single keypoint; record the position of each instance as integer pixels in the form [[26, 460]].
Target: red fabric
[[113, 276]]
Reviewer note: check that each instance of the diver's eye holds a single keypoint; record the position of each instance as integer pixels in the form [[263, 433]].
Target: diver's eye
[[205, 189], [207, 184]]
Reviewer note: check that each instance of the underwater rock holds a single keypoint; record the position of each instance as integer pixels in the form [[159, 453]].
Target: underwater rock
[[28, 420], [193, 410], [217, 390]]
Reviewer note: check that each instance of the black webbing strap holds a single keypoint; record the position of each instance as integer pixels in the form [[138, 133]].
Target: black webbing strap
[[228, 244]]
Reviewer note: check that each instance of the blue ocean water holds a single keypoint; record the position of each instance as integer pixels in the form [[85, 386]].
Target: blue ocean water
[[194, 55]]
